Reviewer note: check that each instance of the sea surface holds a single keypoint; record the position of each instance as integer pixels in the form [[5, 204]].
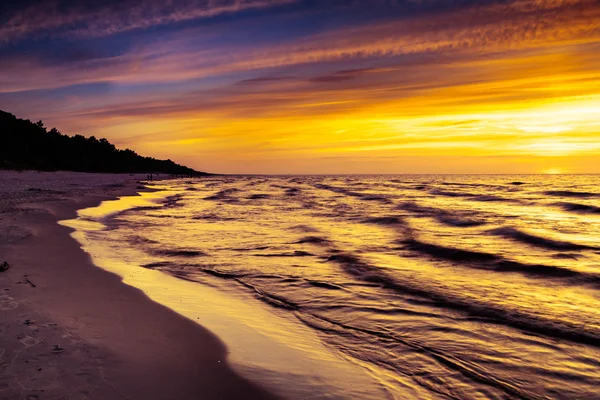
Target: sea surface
[[373, 287]]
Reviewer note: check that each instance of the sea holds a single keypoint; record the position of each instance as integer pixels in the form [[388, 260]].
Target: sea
[[375, 287]]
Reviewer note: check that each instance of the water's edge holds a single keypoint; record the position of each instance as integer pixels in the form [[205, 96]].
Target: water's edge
[[264, 346], [371, 287]]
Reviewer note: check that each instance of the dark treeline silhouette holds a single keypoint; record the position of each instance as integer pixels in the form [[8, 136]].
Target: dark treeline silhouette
[[28, 145]]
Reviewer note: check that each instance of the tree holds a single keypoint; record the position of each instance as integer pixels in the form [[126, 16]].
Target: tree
[[28, 145]]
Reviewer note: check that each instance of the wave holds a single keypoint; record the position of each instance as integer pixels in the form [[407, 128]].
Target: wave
[[470, 370], [488, 197], [448, 253], [392, 310], [313, 240], [167, 216], [374, 197], [398, 184], [256, 248], [136, 210], [493, 262], [173, 201], [461, 184], [568, 193], [213, 184], [450, 194], [354, 266], [324, 285], [135, 239], [566, 256], [578, 208], [179, 253], [358, 268], [304, 229], [384, 221], [296, 253], [220, 274], [223, 194], [213, 217], [450, 220], [454, 219], [546, 271], [416, 208], [350, 193], [291, 191], [270, 298], [159, 264], [472, 196], [527, 238], [361, 300], [259, 196]]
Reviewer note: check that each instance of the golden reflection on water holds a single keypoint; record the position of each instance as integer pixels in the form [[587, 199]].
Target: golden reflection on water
[[365, 287], [278, 351]]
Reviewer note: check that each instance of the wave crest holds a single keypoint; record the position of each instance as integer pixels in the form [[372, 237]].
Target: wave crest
[[527, 238], [578, 208]]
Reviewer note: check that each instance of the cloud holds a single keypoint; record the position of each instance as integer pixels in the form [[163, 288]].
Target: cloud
[[515, 25], [334, 78], [456, 82], [85, 19], [345, 75], [264, 80]]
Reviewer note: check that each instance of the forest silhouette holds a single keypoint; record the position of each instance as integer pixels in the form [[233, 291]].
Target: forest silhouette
[[28, 145]]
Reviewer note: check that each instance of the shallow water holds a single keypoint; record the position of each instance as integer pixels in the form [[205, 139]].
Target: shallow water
[[458, 287]]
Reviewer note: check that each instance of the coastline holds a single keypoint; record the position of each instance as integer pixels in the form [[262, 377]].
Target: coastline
[[82, 333]]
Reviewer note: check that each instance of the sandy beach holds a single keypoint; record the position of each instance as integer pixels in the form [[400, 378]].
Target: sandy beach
[[70, 330], [300, 199]]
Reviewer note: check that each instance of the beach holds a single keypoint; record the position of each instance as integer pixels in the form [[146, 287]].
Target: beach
[[300, 199], [71, 330], [320, 287]]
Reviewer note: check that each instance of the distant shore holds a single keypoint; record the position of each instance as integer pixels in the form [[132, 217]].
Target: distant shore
[[73, 330]]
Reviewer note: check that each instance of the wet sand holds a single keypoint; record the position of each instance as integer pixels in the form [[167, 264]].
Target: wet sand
[[72, 330]]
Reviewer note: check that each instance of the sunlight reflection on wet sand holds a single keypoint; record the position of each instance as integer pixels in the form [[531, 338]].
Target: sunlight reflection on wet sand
[[276, 350]]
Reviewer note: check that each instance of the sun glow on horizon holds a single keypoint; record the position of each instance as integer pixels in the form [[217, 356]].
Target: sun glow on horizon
[[376, 96], [554, 171]]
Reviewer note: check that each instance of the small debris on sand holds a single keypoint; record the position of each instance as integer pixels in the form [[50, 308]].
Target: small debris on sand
[[57, 349], [28, 281], [3, 266]]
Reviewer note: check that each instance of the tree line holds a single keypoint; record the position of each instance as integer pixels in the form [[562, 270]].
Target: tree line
[[28, 145]]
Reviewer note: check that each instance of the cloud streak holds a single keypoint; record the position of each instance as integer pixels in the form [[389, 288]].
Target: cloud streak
[[80, 19], [469, 31]]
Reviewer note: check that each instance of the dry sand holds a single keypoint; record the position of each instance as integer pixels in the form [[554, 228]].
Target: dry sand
[[70, 330]]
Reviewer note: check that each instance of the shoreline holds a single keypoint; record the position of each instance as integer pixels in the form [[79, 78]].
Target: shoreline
[[81, 332]]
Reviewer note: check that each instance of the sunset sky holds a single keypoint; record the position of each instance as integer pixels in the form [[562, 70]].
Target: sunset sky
[[316, 86]]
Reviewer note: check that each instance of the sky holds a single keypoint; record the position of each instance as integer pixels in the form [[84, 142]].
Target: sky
[[315, 86]]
